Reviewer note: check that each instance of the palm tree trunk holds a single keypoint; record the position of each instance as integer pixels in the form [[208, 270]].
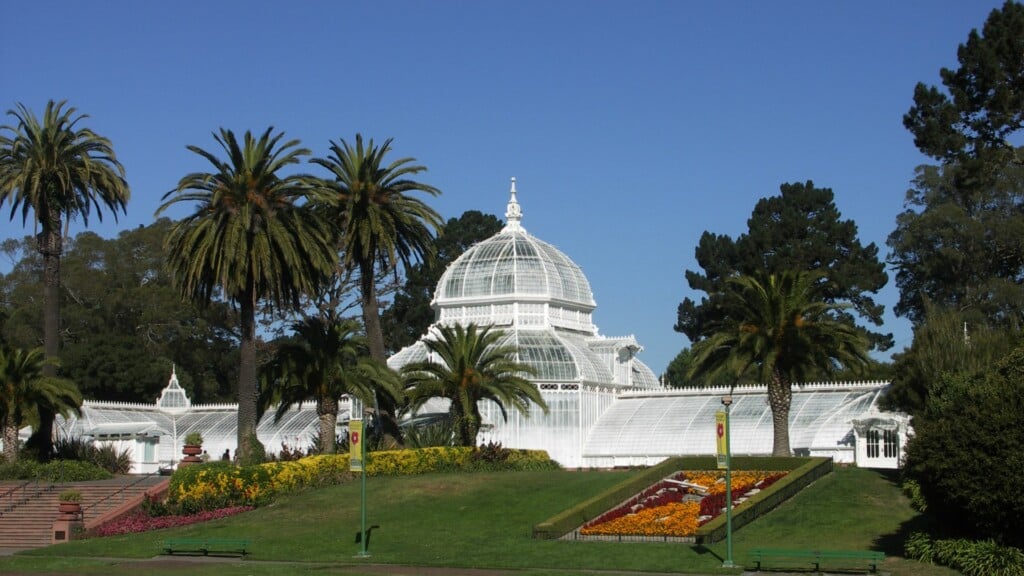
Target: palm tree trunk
[[327, 414], [371, 313], [249, 449], [11, 440], [375, 342], [780, 397], [50, 245]]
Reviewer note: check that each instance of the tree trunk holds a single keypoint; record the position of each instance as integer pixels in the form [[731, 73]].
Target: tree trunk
[[327, 414], [249, 450], [780, 397], [50, 245], [371, 314], [386, 416], [11, 440]]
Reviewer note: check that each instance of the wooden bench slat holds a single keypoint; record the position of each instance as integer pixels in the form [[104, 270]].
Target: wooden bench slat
[[207, 545], [873, 559]]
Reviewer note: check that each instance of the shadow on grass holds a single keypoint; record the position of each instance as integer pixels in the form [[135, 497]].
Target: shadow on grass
[[892, 544], [701, 550]]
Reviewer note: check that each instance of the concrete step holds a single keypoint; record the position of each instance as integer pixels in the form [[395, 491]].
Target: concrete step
[[28, 510]]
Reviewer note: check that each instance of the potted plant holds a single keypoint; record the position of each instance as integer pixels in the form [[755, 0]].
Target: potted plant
[[193, 448], [194, 439], [70, 502]]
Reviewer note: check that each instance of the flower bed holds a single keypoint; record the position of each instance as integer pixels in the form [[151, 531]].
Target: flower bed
[[669, 508], [140, 521]]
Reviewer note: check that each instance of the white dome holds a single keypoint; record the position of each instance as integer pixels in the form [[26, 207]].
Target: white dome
[[513, 278], [514, 266], [541, 301]]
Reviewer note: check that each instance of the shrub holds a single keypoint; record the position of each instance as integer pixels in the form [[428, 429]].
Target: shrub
[[104, 455], [194, 438], [440, 433], [492, 452], [965, 453], [912, 490], [107, 457], [919, 547], [979, 558], [70, 496], [55, 471]]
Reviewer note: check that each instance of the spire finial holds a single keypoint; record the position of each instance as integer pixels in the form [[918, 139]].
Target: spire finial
[[513, 215]]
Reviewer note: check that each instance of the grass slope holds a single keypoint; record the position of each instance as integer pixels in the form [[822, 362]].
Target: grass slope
[[484, 520]]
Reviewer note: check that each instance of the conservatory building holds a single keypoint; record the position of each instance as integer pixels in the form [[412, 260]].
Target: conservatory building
[[605, 406]]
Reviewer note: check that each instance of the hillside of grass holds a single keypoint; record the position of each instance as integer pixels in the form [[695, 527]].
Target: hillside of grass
[[484, 520]]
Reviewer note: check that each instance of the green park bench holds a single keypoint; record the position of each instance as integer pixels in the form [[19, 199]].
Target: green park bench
[[834, 558], [207, 546]]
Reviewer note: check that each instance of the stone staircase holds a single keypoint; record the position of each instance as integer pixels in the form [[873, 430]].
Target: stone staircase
[[29, 509]]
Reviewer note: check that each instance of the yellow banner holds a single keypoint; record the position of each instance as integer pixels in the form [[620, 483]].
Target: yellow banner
[[720, 438], [355, 445]]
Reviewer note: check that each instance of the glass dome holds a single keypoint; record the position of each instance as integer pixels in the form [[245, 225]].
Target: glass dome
[[540, 299], [515, 278]]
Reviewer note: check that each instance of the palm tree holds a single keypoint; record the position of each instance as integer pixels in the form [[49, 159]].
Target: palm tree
[[779, 326], [252, 238], [57, 171], [26, 391], [472, 368], [378, 223], [327, 359]]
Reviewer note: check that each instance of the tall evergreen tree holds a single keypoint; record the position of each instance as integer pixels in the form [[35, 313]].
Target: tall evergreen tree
[[972, 121], [57, 171], [960, 247], [251, 239], [958, 241], [800, 229]]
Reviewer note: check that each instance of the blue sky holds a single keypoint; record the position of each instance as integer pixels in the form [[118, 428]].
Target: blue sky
[[631, 127]]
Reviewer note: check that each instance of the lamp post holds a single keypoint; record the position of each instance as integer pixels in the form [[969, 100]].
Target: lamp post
[[727, 401], [357, 458]]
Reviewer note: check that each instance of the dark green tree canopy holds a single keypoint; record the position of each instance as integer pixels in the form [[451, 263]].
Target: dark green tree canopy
[[410, 314], [123, 324], [958, 243], [800, 229], [961, 247], [946, 341], [982, 106]]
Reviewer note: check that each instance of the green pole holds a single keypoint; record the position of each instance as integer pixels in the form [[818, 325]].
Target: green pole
[[728, 489], [363, 552]]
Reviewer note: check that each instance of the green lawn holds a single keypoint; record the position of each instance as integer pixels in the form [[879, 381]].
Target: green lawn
[[484, 521]]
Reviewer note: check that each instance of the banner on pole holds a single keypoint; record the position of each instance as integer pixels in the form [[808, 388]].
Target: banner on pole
[[720, 438], [355, 445]]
